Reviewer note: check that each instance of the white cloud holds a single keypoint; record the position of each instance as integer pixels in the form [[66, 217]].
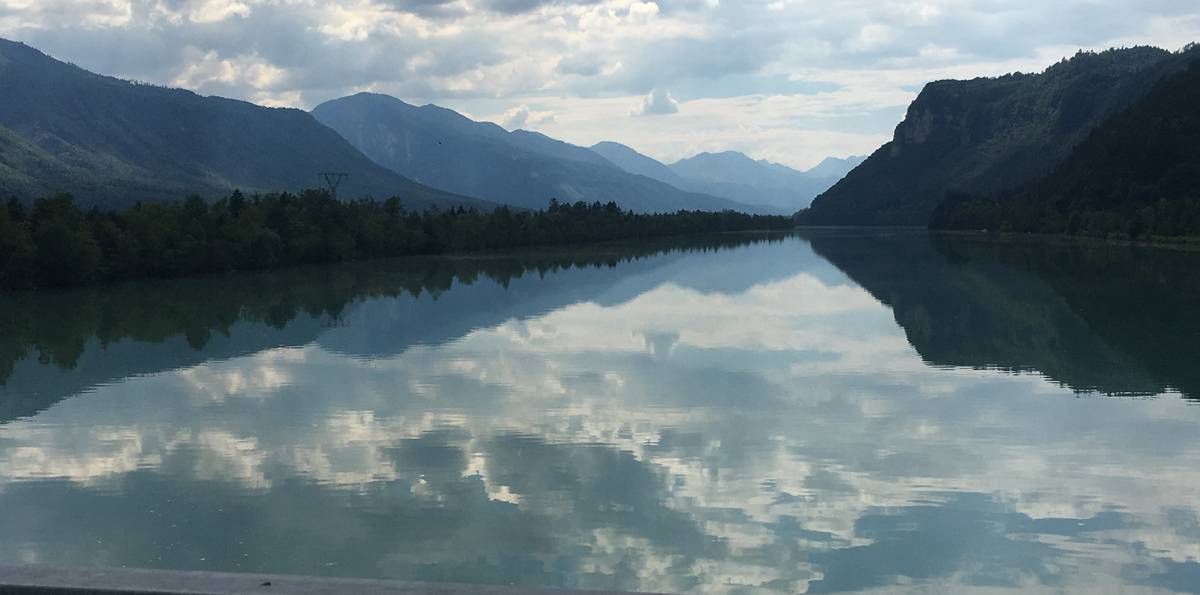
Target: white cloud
[[205, 11], [871, 36], [659, 102], [516, 117], [208, 72], [642, 11], [852, 66], [523, 117]]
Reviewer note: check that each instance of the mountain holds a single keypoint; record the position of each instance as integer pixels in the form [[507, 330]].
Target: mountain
[[988, 135], [112, 142], [732, 175], [1136, 175], [737, 176], [539, 143], [633, 162], [447, 150], [26, 170], [835, 168], [735, 168]]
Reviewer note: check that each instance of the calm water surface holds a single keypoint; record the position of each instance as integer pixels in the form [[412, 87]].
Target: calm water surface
[[826, 411]]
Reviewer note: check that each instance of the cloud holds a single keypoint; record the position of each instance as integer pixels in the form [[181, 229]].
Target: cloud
[[855, 65], [523, 117], [659, 102], [523, 6], [871, 36], [580, 64], [429, 8], [516, 117], [643, 11]]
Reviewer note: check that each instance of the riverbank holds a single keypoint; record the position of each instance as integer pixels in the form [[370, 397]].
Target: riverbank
[[1188, 243]]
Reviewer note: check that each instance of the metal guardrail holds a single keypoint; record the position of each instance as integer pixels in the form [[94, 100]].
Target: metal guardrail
[[54, 580]]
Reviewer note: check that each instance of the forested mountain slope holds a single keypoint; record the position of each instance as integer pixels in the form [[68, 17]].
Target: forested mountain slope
[[989, 135], [1137, 175], [112, 142]]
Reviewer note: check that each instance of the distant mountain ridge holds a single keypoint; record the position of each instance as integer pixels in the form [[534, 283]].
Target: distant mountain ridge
[[989, 135], [731, 173], [734, 167], [445, 149], [112, 142], [634, 162], [835, 168], [734, 175]]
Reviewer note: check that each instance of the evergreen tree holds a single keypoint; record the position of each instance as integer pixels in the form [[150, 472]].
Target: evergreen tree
[[58, 245]]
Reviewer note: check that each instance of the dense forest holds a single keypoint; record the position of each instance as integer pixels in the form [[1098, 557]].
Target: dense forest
[[1137, 176], [55, 243], [988, 136]]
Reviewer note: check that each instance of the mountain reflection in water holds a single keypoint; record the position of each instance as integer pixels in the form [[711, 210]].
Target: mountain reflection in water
[[827, 411]]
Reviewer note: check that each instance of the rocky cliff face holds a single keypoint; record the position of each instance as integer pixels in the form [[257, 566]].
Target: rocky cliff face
[[922, 119], [988, 135]]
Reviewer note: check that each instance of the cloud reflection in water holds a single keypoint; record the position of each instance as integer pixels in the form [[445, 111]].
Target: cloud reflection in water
[[705, 421]]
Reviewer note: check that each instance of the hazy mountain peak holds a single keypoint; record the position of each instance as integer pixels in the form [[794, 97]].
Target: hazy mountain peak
[[727, 156], [552, 147], [443, 148], [731, 174], [736, 167], [614, 146], [634, 162], [836, 167]]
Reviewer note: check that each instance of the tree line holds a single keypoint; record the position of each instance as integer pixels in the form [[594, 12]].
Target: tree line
[[54, 243], [1162, 220]]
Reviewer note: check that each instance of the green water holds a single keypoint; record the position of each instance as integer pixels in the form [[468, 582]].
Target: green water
[[825, 411]]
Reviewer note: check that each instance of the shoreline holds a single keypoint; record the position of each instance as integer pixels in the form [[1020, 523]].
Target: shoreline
[[1183, 243], [618, 248]]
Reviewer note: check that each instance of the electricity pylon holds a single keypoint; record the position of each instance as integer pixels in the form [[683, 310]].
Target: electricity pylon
[[333, 180]]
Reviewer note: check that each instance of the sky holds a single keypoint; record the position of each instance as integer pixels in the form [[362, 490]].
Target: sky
[[791, 81]]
